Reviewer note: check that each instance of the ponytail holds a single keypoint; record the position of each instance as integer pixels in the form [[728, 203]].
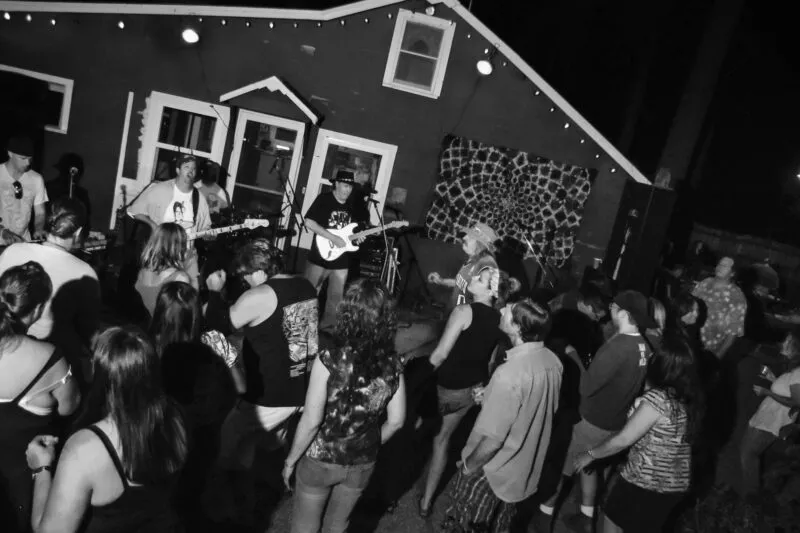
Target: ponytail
[[23, 288]]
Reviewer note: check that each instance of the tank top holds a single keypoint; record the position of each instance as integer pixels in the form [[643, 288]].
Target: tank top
[[468, 362], [142, 509], [277, 352], [19, 428]]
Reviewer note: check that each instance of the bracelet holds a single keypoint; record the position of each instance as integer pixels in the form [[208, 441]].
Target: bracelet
[[590, 454], [45, 468]]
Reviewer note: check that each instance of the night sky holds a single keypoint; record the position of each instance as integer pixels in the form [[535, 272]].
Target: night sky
[[601, 54]]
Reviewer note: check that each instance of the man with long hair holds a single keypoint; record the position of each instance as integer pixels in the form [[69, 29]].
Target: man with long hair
[[278, 315]]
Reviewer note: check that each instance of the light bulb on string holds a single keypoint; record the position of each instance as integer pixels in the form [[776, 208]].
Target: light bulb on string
[[223, 22], [366, 21], [271, 25], [7, 15], [121, 25], [341, 22], [247, 23], [583, 141], [52, 22], [319, 24], [597, 156], [613, 169], [200, 20], [566, 125], [28, 17], [485, 66], [190, 36], [552, 109], [295, 25]]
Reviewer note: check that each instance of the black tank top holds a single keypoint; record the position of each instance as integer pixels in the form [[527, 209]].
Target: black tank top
[[468, 362], [139, 509], [277, 352], [19, 429]]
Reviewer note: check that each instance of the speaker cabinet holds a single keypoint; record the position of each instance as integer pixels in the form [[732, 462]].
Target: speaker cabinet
[[637, 239]]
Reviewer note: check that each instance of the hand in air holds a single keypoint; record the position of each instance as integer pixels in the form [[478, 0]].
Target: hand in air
[[216, 280], [434, 278]]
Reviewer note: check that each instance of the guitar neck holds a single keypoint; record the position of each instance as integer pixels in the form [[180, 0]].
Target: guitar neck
[[371, 231], [216, 231]]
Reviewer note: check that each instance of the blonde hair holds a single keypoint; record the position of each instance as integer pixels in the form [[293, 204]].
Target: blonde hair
[[165, 249]]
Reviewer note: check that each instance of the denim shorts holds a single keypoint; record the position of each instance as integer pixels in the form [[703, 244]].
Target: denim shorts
[[313, 474], [454, 400]]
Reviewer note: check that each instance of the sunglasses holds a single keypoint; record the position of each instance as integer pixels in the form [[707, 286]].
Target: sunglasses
[[17, 190]]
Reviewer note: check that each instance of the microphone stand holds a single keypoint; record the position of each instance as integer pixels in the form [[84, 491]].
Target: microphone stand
[[388, 252], [296, 210]]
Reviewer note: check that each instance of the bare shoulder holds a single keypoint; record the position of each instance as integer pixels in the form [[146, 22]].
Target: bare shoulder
[[85, 448]]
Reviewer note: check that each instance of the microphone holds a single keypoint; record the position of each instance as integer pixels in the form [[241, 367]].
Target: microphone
[[371, 200]]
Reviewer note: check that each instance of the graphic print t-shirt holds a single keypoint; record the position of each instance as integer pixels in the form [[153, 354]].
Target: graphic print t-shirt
[[278, 352], [180, 209], [329, 213]]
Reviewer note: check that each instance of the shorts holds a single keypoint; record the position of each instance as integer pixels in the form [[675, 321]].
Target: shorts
[[635, 509], [584, 437], [454, 400], [247, 426]]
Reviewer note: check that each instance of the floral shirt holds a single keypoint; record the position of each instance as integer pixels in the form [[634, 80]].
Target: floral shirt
[[661, 460], [727, 307], [350, 433]]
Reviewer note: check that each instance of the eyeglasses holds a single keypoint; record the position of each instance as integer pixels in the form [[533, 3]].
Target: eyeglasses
[[17, 190]]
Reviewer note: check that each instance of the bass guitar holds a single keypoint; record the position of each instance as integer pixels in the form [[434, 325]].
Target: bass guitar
[[330, 252]]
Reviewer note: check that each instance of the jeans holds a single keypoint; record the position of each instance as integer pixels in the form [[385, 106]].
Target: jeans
[[317, 275], [318, 484], [754, 443]]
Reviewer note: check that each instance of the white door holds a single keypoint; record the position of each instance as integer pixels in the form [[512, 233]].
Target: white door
[[264, 165], [371, 161]]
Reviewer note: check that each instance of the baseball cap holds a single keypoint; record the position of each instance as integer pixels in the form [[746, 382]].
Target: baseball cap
[[483, 233], [21, 146], [637, 305]]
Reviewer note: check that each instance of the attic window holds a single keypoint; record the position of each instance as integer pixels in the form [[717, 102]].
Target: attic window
[[56, 101], [418, 57]]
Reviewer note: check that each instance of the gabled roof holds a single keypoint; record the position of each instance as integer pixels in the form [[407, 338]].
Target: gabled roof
[[272, 84], [331, 14]]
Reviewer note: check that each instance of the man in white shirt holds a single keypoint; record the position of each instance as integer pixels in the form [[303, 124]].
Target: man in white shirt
[[175, 200], [22, 191]]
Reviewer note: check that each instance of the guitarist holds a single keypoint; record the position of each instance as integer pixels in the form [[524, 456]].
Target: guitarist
[[331, 210], [175, 200]]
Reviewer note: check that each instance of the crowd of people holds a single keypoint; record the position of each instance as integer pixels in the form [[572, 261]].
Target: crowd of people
[[126, 428]]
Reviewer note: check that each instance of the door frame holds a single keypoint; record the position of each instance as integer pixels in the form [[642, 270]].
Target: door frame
[[245, 115], [326, 138]]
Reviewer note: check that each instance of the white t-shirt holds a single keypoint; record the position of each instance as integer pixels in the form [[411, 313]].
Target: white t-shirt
[[180, 209], [76, 292], [772, 416], [16, 212]]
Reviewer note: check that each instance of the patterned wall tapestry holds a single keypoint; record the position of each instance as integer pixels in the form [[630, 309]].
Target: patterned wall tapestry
[[518, 194]]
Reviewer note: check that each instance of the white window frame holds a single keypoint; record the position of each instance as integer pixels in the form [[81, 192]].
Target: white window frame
[[152, 127], [244, 116], [55, 84], [326, 138], [448, 28]]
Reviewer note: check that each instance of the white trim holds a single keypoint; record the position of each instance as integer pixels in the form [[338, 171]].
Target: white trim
[[546, 88], [155, 108], [115, 204], [332, 14], [448, 28], [326, 138], [199, 11], [273, 83], [62, 85], [244, 116]]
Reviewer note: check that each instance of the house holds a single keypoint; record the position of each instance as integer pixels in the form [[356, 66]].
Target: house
[[280, 98]]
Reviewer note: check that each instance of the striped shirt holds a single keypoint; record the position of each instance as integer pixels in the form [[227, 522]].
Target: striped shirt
[[661, 460]]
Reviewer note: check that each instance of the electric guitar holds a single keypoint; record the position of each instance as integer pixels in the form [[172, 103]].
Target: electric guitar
[[249, 223], [331, 252]]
